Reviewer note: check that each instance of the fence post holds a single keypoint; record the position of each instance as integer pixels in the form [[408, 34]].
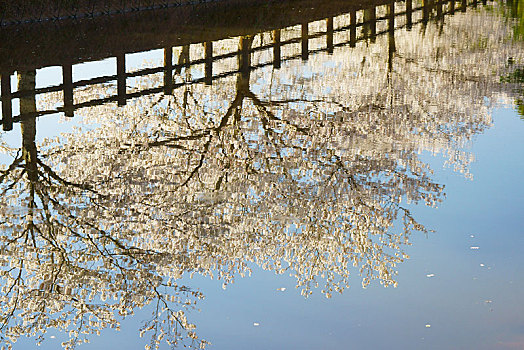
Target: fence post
[[276, 49], [208, 47], [168, 72], [67, 82], [409, 14], [464, 5], [121, 78], [352, 28], [391, 34], [186, 56], [370, 26], [329, 34], [244, 63], [391, 17], [452, 7], [305, 41], [7, 113], [26, 82], [426, 9]]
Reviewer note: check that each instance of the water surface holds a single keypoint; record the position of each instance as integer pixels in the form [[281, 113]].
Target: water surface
[[351, 182]]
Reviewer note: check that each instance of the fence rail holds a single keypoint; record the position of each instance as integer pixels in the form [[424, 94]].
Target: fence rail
[[370, 20]]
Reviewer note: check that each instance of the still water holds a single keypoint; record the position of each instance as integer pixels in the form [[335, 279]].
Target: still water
[[353, 182]]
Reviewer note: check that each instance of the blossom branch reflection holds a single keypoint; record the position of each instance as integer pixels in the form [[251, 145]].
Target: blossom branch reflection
[[311, 175]]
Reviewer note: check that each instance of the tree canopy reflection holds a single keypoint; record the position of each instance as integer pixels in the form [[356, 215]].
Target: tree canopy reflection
[[305, 174]]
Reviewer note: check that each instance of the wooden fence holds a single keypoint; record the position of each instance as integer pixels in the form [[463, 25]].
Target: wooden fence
[[411, 14]]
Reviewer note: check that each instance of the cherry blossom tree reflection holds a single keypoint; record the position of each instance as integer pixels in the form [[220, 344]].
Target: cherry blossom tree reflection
[[66, 269], [310, 175]]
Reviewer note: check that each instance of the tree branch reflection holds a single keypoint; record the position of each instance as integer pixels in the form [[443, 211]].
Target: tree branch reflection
[[310, 175]]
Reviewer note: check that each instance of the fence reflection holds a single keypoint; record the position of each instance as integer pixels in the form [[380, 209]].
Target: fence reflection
[[360, 25]]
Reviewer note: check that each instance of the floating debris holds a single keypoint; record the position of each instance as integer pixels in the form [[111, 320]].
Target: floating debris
[[482, 265], [474, 248], [256, 324], [283, 289], [428, 325], [430, 275]]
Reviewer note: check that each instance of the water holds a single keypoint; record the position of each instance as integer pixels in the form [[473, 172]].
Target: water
[[357, 189]]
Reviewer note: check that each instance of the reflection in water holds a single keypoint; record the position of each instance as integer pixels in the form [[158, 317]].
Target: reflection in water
[[308, 170]]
